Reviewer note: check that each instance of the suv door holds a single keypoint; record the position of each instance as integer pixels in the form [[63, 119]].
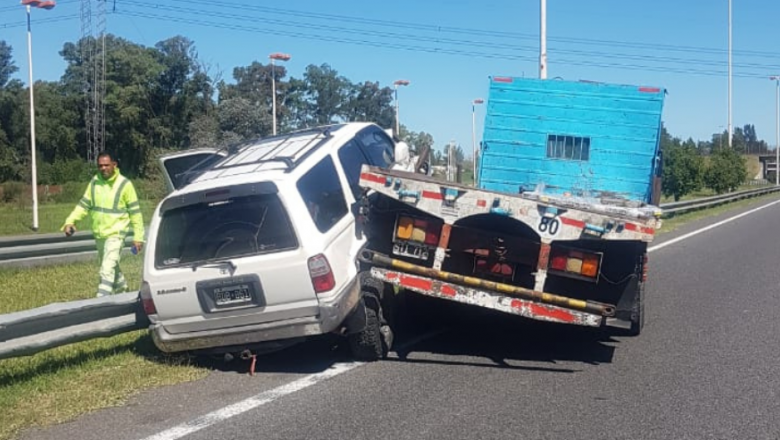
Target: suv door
[[181, 167]]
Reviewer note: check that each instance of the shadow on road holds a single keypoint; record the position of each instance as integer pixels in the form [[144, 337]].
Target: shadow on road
[[473, 334], [503, 339]]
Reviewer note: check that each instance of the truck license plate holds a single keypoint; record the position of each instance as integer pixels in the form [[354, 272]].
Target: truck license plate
[[230, 295], [410, 250]]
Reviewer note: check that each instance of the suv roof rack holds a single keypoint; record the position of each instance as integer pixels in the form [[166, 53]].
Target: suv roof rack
[[289, 161]]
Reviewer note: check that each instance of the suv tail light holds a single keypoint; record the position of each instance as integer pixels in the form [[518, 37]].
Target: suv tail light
[[146, 299], [417, 230], [575, 262], [321, 276]]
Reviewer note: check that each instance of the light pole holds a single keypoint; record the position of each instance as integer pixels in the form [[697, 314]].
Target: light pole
[[396, 83], [474, 104], [280, 57], [776, 79], [28, 5], [730, 126], [543, 39]]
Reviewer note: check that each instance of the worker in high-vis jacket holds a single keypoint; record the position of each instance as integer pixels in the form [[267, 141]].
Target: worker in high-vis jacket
[[111, 202]]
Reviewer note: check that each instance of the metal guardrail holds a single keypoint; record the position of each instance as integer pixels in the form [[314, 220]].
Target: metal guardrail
[[674, 208], [54, 248], [31, 331]]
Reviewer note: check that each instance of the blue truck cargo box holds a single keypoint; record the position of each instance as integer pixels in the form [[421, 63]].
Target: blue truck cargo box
[[580, 138]]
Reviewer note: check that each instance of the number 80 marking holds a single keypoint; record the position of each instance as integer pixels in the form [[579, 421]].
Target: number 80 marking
[[549, 225]]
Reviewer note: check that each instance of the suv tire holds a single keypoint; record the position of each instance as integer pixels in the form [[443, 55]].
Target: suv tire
[[368, 345]]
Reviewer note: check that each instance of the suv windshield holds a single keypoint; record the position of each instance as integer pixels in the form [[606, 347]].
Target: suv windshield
[[228, 228]]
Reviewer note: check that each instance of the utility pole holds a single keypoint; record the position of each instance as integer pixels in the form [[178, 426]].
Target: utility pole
[[543, 40], [776, 79], [730, 126]]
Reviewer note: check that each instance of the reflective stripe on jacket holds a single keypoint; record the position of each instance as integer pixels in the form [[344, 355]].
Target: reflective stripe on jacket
[[113, 207]]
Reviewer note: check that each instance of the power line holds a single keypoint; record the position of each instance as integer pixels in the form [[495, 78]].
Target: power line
[[42, 20], [447, 41], [446, 51], [470, 31]]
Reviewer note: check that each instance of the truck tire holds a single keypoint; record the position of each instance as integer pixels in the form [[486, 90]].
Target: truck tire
[[367, 345], [638, 311]]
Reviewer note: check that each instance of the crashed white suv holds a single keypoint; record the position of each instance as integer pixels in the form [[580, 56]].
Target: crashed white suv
[[256, 250]]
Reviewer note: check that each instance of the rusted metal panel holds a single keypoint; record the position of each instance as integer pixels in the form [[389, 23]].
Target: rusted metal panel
[[551, 217], [484, 298]]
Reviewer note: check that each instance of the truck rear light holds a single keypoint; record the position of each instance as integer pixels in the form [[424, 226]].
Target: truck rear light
[[558, 261], [321, 275], [417, 230], [146, 299], [590, 265], [575, 262], [405, 228]]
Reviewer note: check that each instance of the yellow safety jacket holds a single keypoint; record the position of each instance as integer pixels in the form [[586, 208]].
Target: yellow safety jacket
[[113, 205]]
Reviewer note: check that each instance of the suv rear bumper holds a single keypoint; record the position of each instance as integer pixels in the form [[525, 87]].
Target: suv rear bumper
[[331, 314]]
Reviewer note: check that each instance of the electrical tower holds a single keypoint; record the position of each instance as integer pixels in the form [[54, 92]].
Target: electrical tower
[[93, 59]]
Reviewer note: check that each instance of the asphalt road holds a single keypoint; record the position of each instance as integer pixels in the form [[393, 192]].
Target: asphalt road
[[706, 367]]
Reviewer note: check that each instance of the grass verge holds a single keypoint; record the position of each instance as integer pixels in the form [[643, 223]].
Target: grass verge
[[670, 224], [60, 384], [63, 383], [16, 219]]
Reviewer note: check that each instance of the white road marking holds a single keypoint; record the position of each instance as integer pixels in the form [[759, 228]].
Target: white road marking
[[707, 228], [266, 397], [269, 396]]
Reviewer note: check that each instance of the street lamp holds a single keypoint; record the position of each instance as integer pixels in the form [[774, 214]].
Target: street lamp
[[396, 83], [280, 57], [474, 103], [776, 79], [41, 5]]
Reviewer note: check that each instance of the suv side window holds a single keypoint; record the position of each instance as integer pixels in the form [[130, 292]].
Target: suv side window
[[352, 160], [378, 146], [322, 193]]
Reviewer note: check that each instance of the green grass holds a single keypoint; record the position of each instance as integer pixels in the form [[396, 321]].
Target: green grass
[[62, 383], [706, 192], [16, 218], [670, 224]]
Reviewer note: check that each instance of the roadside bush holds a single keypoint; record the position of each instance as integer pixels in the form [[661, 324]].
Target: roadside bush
[[683, 170], [727, 170], [64, 171], [71, 192], [12, 191], [150, 189]]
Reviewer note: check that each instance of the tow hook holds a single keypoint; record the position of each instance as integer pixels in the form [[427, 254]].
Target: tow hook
[[246, 355]]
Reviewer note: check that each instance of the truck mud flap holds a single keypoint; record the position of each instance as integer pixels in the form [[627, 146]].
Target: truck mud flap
[[483, 298]]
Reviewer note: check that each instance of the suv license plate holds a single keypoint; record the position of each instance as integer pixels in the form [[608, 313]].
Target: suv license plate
[[410, 250], [230, 295]]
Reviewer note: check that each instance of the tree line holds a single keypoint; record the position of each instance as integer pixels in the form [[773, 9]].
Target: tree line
[[166, 98], [690, 166]]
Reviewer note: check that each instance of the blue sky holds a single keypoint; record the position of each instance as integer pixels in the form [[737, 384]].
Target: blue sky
[[448, 48]]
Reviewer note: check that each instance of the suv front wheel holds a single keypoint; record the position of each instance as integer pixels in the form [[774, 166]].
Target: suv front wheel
[[370, 344]]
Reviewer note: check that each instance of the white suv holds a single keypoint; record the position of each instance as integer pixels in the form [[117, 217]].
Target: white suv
[[256, 250]]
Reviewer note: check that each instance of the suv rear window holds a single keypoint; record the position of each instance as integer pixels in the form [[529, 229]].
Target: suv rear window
[[235, 227]]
